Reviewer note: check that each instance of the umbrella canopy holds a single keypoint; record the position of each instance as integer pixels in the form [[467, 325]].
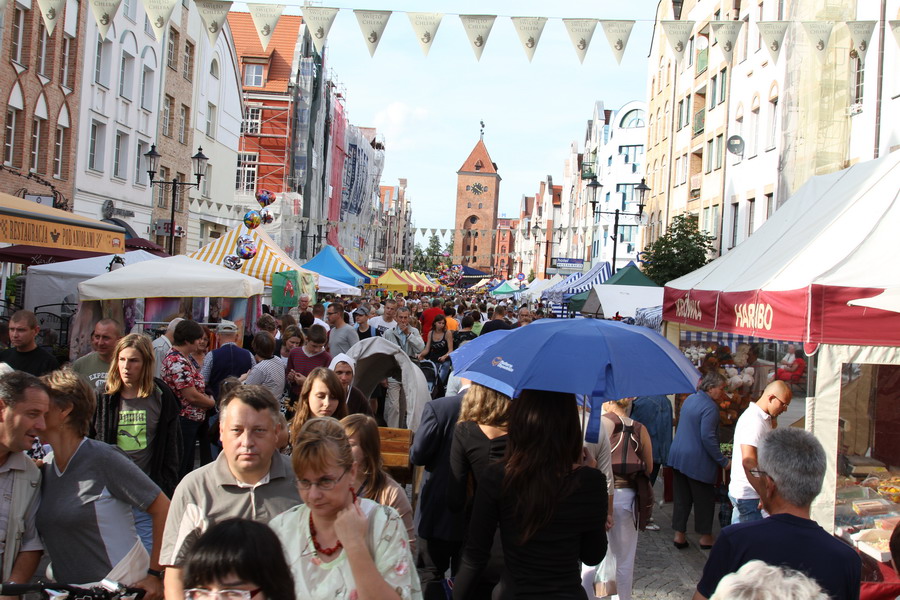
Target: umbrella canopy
[[466, 354], [604, 359]]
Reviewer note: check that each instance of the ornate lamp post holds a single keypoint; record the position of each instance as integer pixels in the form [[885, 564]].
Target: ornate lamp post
[[200, 160]]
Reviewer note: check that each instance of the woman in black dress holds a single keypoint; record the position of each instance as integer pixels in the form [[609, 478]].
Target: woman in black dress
[[438, 347], [550, 508]]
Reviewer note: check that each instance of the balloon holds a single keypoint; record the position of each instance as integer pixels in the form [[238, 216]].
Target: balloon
[[266, 216], [247, 251], [265, 198], [232, 262], [244, 239], [252, 219]]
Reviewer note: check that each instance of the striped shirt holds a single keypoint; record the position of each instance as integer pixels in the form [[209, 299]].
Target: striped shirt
[[269, 374]]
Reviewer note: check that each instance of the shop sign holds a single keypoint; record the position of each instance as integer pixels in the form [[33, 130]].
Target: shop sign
[[163, 228], [568, 264]]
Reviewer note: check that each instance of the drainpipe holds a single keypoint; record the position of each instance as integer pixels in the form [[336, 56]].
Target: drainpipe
[[878, 88]]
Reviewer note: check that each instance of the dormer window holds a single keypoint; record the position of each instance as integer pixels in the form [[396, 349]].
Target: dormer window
[[253, 75]]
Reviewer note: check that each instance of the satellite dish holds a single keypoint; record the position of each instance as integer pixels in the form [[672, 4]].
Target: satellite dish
[[735, 145]]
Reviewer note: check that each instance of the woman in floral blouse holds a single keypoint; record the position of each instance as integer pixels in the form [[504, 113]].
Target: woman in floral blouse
[[182, 373], [338, 545]]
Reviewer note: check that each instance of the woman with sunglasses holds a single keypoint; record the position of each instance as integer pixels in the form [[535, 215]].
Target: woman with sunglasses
[[338, 545]]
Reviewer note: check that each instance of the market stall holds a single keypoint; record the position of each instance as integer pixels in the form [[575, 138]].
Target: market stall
[[330, 263], [392, 281]]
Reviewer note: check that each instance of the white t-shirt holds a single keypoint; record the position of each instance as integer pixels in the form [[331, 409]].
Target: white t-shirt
[[749, 431], [318, 321], [380, 325], [788, 359]]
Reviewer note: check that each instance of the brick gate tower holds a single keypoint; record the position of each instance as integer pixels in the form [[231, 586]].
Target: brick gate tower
[[477, 196]]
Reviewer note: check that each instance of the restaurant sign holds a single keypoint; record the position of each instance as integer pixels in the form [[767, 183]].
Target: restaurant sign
[[35, 232]]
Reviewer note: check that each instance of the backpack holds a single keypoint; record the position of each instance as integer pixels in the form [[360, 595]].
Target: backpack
[[626, 460]]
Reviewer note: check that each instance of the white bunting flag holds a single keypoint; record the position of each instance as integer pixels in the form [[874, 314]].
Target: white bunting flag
[[319, 19], [425, 26], [726, 34], [861, 34], [617, 34], [895, 27], [213, 13], [443, 232], [819, 32], [478, 28], [51, 11], [580, 32], [529, 30], [372, 24], [678, 32], [104, 13], [772, 33], [265, 18]]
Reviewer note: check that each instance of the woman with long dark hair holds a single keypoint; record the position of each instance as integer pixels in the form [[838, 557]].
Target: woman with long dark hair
[[550, 508]]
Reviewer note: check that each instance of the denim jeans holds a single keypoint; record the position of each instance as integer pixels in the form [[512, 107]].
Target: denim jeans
[[746, 510]]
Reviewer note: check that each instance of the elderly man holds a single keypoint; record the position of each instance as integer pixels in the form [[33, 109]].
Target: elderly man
[[163, 344], [791, 470], [228, 360], [23, 405], [249, 480], [95, 365], [751, 427], [524, 317], [410, 341], [24, 354]]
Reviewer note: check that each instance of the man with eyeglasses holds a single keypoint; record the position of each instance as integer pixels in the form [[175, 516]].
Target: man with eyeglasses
[[249, 479], [755, 422], [790, 474], [341, 336]]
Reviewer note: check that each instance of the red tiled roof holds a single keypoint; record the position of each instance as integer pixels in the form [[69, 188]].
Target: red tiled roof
[[280, 50], [479, 154]]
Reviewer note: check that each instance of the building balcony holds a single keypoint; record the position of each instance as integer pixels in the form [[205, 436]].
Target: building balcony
[[699, 121], [588, 170]]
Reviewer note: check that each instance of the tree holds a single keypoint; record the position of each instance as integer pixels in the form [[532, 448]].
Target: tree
[[682, 249], [427, 260]]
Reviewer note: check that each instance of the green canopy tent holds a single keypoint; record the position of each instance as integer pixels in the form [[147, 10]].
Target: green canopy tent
[[630, 275]]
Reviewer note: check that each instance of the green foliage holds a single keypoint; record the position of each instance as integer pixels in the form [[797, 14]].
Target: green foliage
[[682, 249], [426, 260], [531, 276]]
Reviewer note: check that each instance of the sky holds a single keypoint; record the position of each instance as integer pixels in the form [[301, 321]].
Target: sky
[[428, 109]]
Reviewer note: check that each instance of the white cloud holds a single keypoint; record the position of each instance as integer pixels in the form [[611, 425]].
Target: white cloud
[[398, 122]]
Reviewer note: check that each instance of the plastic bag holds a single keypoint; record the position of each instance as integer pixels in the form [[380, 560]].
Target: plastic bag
[[605, 577]]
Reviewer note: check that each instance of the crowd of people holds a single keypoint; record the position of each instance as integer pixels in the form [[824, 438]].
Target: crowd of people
[[202, 465]]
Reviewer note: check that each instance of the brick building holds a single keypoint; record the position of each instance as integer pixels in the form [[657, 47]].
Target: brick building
[[477, 195]]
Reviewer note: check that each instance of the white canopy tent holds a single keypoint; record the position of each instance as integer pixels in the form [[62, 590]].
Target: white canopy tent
[[534, 289], [56, 283], [172, 277], [607, 300]]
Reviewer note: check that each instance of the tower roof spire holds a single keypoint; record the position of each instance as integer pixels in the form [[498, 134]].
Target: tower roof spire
[[482, 129]]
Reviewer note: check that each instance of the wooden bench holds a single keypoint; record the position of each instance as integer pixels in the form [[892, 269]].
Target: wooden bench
[[395, 445]]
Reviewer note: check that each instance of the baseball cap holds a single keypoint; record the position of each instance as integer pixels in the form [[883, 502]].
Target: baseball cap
[[362, 310], [226, 327]]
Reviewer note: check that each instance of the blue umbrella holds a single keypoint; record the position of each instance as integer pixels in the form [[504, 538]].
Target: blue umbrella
[[463, 356], [606, 359]]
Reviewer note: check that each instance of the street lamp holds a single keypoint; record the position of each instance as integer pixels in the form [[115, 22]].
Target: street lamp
[[536, 231], [642, 188], [199, 161]]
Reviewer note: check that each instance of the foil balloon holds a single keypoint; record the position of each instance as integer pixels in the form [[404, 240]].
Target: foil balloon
[[252, 219], [244, 239], [232, 262], [265, 198], [247, 251], [266, 216]]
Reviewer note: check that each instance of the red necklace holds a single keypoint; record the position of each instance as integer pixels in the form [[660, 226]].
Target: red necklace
[[320, 549]]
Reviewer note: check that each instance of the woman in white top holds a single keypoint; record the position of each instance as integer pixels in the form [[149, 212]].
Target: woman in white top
[[268, 370]]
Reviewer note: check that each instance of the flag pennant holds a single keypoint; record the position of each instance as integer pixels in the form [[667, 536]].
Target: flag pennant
[[213, 13], [265, 18], [580, 32], [617, 34], [478, 28], [677, 33], [104, 13], [772, 33], [726, 33], [895, 27], [372, 24], [529, 30], [861, 34], [425, 26], [51, 11], [319, 20], [819, 32]]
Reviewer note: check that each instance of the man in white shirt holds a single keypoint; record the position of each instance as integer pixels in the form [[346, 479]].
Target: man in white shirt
[[788, 359], [163, 344], [755, 422], [384, 322]]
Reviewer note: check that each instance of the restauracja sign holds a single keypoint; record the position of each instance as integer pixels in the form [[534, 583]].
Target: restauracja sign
[[754, 316]]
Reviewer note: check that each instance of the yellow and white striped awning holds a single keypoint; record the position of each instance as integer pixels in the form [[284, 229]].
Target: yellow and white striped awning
[[270, 258]]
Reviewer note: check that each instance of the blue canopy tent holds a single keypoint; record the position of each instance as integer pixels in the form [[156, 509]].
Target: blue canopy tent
[[330, 263]]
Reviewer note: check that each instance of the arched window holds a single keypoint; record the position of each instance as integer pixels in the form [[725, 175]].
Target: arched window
[[633, 118], [214, 68]]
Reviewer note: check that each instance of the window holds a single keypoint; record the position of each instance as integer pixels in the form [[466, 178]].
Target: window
[[680, 122], [172, 49], [43, 41], [126, 76], [66, 70], [684, 168], [744, 40], [148, 27], [162, 198], [96, 146], [632, 154], [9, 140], [59, 152], [188, 66], [38, 135], [626, 191], [140, 173], [210, 119], [120, 156], [102, 66], [204, 183], [690, 52], [253, 120], [770, 205], [168, 106], [858, 80], [183, 122], [18, 35], [633, 118], [677, 171], [735, 213], [773, 124], [147, 89], [128, 9], [753, 126], [246, 172], [709, 156], [98, 62], [723, 84], [179, 193], [720, 150], [713, 90], [214, 69], [759, 17], [739, 131], [253, 75], [751, 215]]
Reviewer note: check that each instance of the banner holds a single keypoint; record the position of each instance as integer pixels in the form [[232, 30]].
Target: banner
[[285, 288], [478, 28], [861, 35], [372, 24], [726, 33], [819, 32], [265, 18], [213, 13], [580, 32], [772, 33], [51, 10], [104, 13], [895, 27], [319, 21], [617, 34], [529, 30], [425, 26], [677, 33]]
